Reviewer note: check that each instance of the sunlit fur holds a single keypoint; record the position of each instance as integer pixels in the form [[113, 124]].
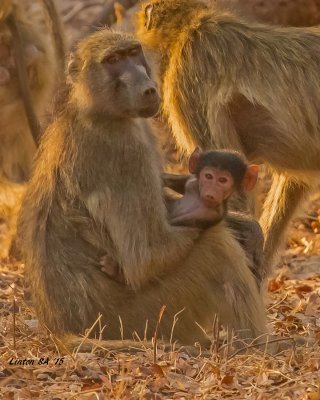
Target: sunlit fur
[[96, 190], [227, 83]]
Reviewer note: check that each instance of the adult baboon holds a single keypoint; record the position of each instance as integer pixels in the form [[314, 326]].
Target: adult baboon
[[96, 190], [277, 12], [227, 83], [215, 176]]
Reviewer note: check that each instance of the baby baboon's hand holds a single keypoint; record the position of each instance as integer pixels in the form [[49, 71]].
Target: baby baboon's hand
[[112, 269]]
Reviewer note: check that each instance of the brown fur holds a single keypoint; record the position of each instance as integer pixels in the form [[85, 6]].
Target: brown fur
[[227, 83], [245, 228], [96, 190], [276, 12]]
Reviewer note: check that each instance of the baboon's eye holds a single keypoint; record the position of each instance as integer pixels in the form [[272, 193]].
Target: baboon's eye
[[208, 176], [111, 59], [222, 179], [133, 52]]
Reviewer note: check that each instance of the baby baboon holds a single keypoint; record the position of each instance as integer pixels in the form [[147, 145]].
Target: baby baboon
[[222, 173], [217, 175], [227, 83], [96, 189]]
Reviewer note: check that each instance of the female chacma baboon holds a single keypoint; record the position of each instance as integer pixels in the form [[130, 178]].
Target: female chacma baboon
[[96, 189]]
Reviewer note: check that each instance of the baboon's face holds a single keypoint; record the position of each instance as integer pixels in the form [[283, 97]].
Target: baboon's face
[[134, 93], [117, 81]]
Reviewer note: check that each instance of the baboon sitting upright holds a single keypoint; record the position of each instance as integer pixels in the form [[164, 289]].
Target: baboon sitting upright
[[227, 83], [96, 189]]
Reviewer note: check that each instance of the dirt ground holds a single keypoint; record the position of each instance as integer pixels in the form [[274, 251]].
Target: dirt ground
[[292, 299], [293, 304]]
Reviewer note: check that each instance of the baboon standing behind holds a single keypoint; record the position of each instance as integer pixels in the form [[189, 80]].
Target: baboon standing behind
[[96, 190], [227, 83]]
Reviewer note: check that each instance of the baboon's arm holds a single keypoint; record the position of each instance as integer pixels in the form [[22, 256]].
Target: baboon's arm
[[145, 243], [175, 182]]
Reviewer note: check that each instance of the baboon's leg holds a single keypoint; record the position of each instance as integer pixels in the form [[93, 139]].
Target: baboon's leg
[[282, 201]]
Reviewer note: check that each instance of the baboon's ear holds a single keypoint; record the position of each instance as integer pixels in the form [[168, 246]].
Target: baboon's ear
[[250, 177], [194, 159], [72, 66], [147, 13]]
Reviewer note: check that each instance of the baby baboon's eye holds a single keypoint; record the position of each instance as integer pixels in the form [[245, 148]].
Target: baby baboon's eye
[[222, 179]]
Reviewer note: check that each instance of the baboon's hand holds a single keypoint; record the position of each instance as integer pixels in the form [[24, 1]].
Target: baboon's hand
[[111, 268]]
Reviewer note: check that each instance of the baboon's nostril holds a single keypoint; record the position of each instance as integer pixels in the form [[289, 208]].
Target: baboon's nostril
[[149, 92]]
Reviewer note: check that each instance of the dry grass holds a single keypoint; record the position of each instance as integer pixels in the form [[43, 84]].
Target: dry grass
[[293, 303]]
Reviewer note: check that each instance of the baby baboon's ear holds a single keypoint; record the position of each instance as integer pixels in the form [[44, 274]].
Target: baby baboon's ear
[[250, 177], [194, 159]]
